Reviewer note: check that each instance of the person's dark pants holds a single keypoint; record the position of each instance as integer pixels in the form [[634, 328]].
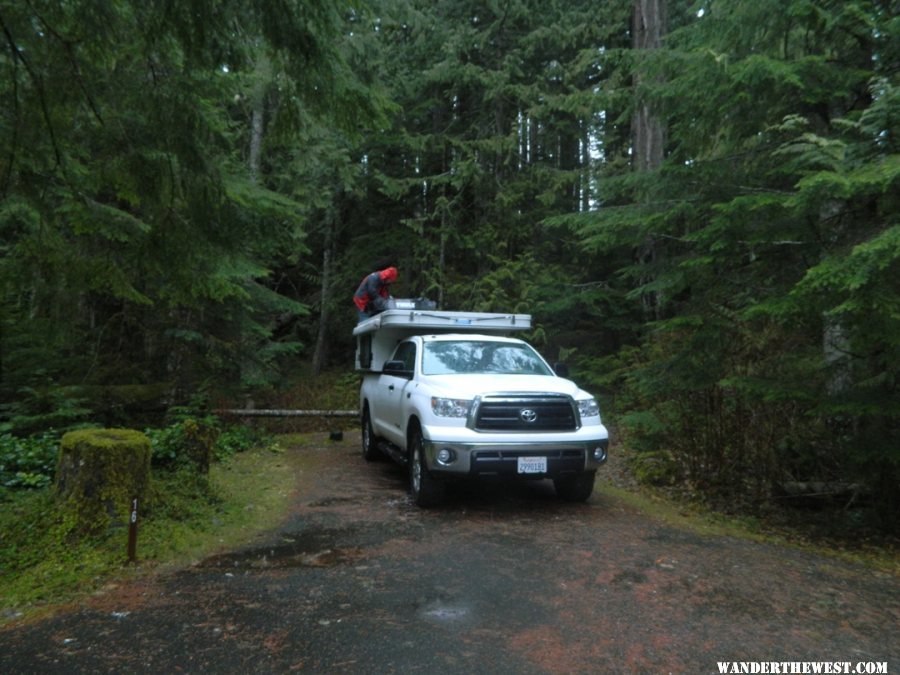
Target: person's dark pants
[[367, 314]]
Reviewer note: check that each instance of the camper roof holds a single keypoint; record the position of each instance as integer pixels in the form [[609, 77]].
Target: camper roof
[[440, 321]]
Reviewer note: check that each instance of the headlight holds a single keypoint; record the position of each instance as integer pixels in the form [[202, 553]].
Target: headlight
[[588, 408], [450, 407]]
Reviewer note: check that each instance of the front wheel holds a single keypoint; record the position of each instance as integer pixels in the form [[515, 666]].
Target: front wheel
[[575, 488], [424, 490], [370, 449]]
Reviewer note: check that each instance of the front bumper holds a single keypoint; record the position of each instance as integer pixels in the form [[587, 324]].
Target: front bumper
[[502, 459]]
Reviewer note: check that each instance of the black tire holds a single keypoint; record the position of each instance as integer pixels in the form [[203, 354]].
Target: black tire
[[370, 451], [575, 488], [424, 490]]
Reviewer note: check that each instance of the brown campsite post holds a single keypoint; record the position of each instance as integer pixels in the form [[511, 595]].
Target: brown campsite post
[[132, 531]]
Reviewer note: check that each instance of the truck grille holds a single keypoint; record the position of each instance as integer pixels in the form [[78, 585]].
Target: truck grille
[[545, 412]]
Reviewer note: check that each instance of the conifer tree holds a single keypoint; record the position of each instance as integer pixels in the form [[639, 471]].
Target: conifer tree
[[138, 239]]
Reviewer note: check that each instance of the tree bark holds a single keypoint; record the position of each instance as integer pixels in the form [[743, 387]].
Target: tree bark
[[442, 258], [648, 130], [321, 351], [256, 134], [257, 114]]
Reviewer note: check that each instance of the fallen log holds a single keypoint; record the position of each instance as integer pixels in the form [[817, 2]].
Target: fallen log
[[263, 412], [812, 493]]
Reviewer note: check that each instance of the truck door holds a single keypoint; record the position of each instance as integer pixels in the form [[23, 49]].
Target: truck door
[[392, 390]]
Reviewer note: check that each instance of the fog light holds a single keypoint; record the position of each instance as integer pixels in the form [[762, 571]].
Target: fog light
[[444, 456], [600, 454]]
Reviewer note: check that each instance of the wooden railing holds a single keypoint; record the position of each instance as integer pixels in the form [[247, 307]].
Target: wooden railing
[[264, 412]]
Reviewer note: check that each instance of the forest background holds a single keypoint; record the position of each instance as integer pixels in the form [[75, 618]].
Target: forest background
[[697, 202]]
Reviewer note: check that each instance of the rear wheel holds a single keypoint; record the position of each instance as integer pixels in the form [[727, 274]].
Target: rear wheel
[[575, 488], [424, 490], [370, 449]]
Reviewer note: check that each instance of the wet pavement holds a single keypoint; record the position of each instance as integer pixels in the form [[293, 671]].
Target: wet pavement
[[503, 579]]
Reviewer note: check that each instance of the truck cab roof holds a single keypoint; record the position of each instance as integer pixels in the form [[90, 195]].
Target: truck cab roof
[[453, 337]]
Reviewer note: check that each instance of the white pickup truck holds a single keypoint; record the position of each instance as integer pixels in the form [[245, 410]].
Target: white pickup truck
[[446, 394]]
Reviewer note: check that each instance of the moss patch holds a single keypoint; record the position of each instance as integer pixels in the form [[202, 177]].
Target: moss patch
[[99, 472], [191, 516]]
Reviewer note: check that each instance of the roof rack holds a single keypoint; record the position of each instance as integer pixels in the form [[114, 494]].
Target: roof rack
[[417, 320]]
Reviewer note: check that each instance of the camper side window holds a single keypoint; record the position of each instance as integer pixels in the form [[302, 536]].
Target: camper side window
[[365, 351]]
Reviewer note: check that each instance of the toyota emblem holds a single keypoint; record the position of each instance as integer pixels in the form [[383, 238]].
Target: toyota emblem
[[528, 415]]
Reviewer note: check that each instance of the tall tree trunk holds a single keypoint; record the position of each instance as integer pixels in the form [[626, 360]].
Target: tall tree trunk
[[256, 134], [321, 351], [263, 72], [648, 130], [257, 126], [584, 185], [442, 258], [835, 338]]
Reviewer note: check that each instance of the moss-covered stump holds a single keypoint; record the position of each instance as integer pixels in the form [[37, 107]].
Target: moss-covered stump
[[98, 474], [199, 441]]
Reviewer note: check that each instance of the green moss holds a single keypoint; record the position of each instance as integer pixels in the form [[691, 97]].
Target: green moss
[[189, 516], [199, 441], [99, 472]]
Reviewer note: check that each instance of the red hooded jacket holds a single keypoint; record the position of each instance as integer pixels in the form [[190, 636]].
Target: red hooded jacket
[[373, 292]]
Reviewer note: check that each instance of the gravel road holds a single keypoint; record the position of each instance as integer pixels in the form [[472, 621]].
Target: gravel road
[[503, 579]]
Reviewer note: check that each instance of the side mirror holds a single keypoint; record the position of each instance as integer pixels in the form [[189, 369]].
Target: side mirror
[[396, 368], [561, 369]]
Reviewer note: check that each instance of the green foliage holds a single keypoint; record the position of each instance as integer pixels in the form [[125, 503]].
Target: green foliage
[[167, 444], [764, 254], [236, 439], [137, 240], [28, 462], [171, 445], [44, 407]]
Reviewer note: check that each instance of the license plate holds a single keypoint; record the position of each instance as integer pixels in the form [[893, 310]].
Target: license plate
[[532, 465]]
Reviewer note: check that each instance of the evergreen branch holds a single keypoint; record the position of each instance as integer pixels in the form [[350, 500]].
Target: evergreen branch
[[7, 177], [760, 190], [67, 44], [591, 284], [18, 55]]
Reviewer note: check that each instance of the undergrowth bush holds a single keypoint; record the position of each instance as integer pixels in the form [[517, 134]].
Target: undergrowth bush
[[28, 462], [171, 444], [330, 390]]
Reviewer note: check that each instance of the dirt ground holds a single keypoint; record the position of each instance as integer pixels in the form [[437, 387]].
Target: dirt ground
[[503, 579]]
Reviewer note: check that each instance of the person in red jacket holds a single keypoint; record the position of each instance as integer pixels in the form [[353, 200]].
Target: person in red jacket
[[372, 296]]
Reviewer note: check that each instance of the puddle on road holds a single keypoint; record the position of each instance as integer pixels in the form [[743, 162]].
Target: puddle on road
[[311, 548], [442, 612], [630, 577], [331, 501], [447, 613]]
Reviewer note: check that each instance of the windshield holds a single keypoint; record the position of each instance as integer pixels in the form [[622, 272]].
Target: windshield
[[478, 357]]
